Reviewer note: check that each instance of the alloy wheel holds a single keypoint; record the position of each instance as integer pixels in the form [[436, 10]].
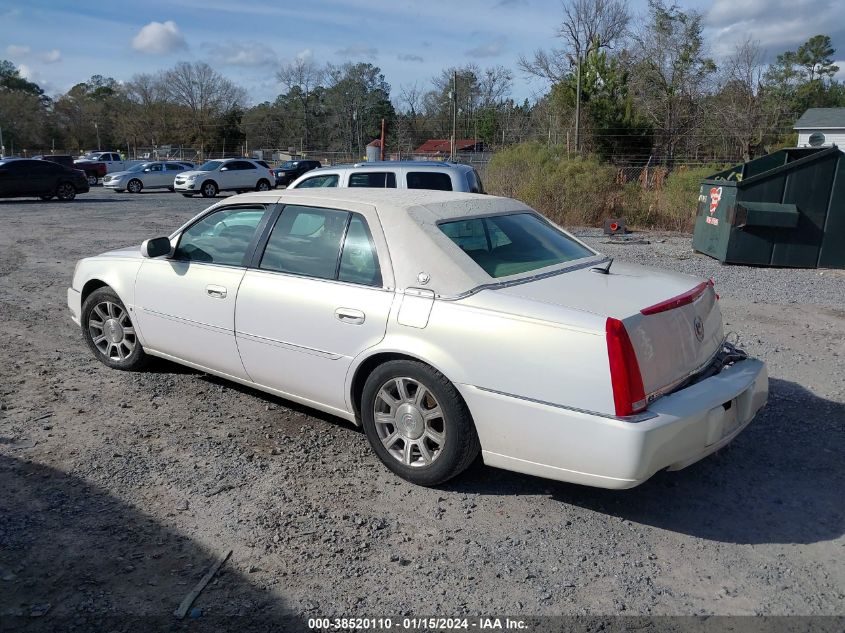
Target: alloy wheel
[[409, 422], [111, 331]]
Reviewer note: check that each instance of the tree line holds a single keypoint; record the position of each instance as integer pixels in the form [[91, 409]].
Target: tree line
[[643, 89]]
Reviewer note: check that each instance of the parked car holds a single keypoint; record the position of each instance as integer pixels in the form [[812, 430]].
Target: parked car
[[293, 169], [231, 174], [444, 323], [437, 175], [28, 177], [154, 175], [97, 164], [66, 160]]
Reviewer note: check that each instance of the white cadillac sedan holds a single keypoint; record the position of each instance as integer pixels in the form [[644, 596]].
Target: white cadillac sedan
[[444, 323]]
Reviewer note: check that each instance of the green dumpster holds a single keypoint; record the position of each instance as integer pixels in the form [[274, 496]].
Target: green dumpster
[[783, 209]]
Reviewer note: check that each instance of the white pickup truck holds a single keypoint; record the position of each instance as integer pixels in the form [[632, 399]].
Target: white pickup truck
[[97, 164]]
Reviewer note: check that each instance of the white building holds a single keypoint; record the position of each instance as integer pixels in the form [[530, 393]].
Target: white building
[[821, 127]]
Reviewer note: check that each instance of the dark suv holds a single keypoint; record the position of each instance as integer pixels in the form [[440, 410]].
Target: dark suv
[[293, 169]]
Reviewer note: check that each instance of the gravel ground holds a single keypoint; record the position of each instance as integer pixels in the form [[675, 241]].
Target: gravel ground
[[120, 489]]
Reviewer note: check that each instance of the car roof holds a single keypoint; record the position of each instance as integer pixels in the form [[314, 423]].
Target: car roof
[[390, 164]]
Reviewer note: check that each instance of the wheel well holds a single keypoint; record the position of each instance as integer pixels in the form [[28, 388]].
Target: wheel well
[[90, 286], [365, 369], [208, 180]]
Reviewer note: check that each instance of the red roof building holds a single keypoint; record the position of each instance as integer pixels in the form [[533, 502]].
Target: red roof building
[[443, 146]]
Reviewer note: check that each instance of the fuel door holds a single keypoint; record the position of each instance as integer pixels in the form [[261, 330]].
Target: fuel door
[[416, 307]]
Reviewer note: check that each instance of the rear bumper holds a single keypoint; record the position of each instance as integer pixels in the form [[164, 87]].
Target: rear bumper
[[567, 445], [74, 302]]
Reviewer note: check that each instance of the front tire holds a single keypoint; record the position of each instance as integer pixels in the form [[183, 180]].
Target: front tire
[[134, 186], [109, 332], [65, 191], [92, 179], [417, 423], [209, 189]]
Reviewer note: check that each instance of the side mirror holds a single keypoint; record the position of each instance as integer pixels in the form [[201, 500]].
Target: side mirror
[[224, 169], [148, 169], [156, 247]]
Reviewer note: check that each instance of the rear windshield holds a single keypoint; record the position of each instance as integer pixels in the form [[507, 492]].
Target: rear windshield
[[511, 244]]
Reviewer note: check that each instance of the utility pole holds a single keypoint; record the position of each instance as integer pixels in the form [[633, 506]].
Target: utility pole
[[454, 113], [97, 128], [2, 147], [578, 106]]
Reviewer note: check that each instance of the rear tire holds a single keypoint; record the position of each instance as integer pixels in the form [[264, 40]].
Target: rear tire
[[209, 189], [134, 186], [65, 192], [92, 179], [417, 423], [109, 332], [263, 185]]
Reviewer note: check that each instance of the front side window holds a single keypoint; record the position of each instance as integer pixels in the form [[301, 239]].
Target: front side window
[[505, 245], [327, 180], [383, 179], [155, 167], [222, 237], [429, 180]]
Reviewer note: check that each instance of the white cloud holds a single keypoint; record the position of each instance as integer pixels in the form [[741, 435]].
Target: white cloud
[[305, 54], [159, 38], [51, 57], [26, 72], [778, 25], [409, 58], [493, 48], [233, 54], [16, 50]]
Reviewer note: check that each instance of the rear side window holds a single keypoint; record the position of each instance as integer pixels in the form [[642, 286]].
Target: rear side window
[[358, 261], [174, 167], [327, 180], [505, 245], [429, 180], [474, 182], [222, 237], [306, 241], [383, 179]]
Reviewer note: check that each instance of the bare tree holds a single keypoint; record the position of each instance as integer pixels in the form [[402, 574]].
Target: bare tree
[[586, 24], [302, 76], [205, 93], [740, 110]]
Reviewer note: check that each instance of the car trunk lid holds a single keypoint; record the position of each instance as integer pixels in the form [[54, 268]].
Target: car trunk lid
[[673, 321]]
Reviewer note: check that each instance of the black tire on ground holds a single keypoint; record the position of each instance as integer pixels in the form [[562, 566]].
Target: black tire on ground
[[262, 185], [105, 319], [171, 189], [92, 179], [119, 190], [134, 186], [461, 445], [188, 195], [47, 197], [65, 191], [209, 189]]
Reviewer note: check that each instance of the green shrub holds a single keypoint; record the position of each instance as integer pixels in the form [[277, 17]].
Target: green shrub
[[582, 191]]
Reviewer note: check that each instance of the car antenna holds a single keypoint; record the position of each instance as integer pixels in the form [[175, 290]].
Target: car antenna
[[604, 270]]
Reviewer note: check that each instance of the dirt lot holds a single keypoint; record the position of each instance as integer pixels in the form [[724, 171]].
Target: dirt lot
[[120, 489]]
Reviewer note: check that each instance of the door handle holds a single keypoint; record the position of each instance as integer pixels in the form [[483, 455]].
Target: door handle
[[218, 292], [348, 315]]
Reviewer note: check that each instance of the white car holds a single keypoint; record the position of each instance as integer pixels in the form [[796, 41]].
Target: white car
[[155, 175], [231, 174], [444, 323]]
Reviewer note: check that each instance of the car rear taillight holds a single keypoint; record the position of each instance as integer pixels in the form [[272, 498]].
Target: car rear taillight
[[676, 302], [628, 393]]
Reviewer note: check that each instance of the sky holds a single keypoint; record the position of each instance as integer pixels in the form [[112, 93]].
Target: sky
[[58, 44]]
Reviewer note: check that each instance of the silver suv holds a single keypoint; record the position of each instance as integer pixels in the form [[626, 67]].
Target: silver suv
[[407, 174]]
